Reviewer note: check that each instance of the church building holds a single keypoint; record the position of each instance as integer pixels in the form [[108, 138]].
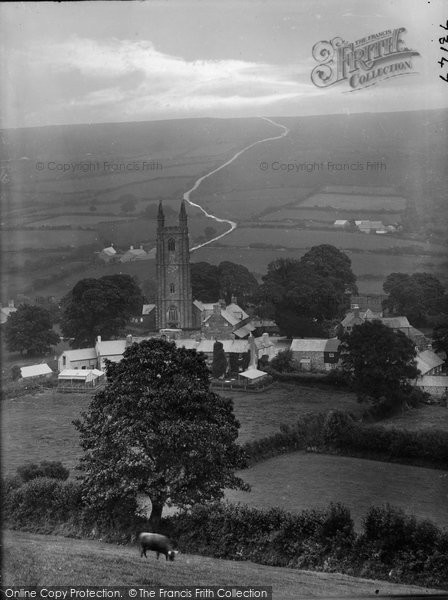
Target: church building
[[174, 294], [175, 308]]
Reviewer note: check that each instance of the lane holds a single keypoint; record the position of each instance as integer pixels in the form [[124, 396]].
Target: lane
[[198, 182]]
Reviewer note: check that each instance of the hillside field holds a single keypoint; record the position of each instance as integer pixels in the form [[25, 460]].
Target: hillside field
[[411, 190], [303, 480], [42, 560]]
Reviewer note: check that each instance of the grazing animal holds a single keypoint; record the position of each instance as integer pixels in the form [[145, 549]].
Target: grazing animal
[[160, 544]]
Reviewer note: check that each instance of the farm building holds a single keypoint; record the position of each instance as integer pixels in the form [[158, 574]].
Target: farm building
[[429, 363], [6, 311], [34, 371], [148, 318], [435, 385], [316, 354], [85, 358], [107, 254], [80, 379], [134, 254]]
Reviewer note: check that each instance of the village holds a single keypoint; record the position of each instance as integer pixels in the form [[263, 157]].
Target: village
[[248, 342]]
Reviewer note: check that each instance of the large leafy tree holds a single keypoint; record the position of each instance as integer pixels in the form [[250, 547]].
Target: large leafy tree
[[205, 281], [100, 307], [29, 330], [157, 429], [306, 294], [417, 296], [379, 360], [333, 264], [440, 335], [211, 282]]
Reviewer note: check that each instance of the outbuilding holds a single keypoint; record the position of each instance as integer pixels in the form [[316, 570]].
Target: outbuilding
[[79, 380]]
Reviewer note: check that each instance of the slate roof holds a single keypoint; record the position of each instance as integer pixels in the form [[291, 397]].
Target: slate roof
[[35, 370], [427, 360], [308, 345], [111, 348], [253, 374], [81, 354], [148, 308]]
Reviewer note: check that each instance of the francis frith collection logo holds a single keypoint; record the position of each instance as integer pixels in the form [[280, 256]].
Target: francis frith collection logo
[[362, 63]]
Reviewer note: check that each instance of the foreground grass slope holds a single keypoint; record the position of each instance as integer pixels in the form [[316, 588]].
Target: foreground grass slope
[[31, 559]]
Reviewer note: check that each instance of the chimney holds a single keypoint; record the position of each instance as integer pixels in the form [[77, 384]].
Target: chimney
[[234, 300], [356, 310], [141, 246], [11, 304], [265, 338], [222, 303], [128, 340], [131, 247], [98, 339], [217, 309]]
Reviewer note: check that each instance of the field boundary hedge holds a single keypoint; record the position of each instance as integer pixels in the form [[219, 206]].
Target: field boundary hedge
[[337, 432], [391, 545]]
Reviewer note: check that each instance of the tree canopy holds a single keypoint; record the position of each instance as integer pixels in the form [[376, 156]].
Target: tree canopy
[[212, 282], [28, 330], [379, 360], [157, 429], [417, 296], [307, 293], [100, 307]]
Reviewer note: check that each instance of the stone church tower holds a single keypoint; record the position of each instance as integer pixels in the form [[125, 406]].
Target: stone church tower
[[174, 294]]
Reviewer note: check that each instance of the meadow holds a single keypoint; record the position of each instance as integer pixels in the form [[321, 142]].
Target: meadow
[[328, 216], [303, 480], [49, 560], [346, 201], [39, 427], [303, 238]]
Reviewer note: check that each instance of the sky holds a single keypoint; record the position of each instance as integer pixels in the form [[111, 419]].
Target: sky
[[99, 62]]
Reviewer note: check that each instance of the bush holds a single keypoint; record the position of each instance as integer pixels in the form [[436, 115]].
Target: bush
[[51, 469], [43, 499], [283, 362]]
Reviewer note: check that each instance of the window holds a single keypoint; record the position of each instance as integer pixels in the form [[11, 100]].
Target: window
[[172, 314], [172, 288], [171, 245], [64, 361]]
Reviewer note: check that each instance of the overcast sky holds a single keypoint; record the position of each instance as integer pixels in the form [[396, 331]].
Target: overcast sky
[[90, 62]]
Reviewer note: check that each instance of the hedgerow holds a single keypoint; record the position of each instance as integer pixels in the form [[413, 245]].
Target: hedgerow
[[338, 432], [391, 545]]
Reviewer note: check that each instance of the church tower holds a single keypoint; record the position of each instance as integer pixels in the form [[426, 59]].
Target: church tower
[[174, 294]]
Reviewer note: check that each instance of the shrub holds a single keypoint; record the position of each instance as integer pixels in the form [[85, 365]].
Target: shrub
[[43, 499], [283, 362], [51, 469]]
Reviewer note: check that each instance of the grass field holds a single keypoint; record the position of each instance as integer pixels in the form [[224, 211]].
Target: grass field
[[302, 480], [303, 238], [328, 216], [39, 427], [20, 239], [354, 201], [41, 560]]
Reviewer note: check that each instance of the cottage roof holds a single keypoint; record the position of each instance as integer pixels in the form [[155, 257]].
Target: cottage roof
[[244, 331], [148, 308], [109, 251], [427, 360], [308, 345], [81, 354], [340, 222], [111, 348], [35, 370], [351, 319], [332, 345], [396, 322], [237, 311]]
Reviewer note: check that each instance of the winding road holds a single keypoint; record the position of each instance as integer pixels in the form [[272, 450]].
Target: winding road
[[198, 182]]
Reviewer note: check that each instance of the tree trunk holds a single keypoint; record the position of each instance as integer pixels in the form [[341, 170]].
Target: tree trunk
[[156, 516]]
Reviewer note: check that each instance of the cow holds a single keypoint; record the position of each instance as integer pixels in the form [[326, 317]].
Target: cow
[[160, 544]]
